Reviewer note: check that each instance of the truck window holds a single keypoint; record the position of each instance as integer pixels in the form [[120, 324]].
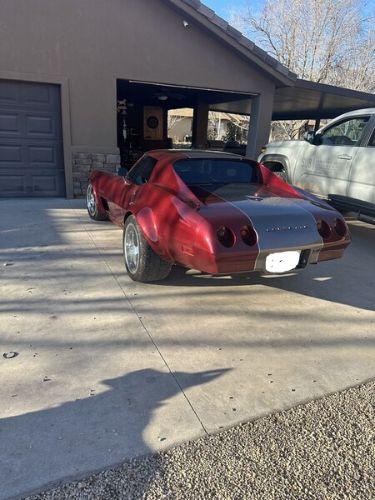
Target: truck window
[[346, 133]]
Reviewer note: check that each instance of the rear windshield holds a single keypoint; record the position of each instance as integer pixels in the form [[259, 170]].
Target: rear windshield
[[202, 171]]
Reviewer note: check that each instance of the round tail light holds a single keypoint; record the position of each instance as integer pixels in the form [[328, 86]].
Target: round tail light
[[248, 235], [225, 236], [340, 228], [324, 229]]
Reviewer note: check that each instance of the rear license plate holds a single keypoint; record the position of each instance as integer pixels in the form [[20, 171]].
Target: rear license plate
[[281, 262]]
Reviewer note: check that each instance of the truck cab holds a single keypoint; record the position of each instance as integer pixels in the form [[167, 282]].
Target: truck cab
[[337, 162]]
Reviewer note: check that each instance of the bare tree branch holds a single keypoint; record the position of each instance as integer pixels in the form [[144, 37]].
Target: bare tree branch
[[328, 41]]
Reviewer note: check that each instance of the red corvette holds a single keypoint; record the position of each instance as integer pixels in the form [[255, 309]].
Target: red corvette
[[215, 212]]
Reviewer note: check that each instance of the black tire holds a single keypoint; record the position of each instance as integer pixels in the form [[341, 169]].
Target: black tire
[[283, 175], [143, 264], [92, 205], [278, 170]]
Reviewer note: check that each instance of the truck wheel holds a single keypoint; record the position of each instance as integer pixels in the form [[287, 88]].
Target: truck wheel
[[92, 206], [141, 262], [283, 175], [278, 169]]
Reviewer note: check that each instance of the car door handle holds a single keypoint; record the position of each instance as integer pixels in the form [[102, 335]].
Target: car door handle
[[344, 157]]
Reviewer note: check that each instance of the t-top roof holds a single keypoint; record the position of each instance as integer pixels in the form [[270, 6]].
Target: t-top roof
[[194, 153]]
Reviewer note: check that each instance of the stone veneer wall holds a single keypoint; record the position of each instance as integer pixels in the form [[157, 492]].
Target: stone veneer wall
[[84, 163]]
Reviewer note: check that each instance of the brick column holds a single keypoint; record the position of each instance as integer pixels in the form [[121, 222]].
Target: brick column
[[85, 163]]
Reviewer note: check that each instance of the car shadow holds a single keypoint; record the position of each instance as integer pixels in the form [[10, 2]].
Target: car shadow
[[346, 281], [78, 437]]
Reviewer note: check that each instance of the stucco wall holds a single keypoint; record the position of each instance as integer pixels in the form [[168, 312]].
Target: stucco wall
[[91, 43]]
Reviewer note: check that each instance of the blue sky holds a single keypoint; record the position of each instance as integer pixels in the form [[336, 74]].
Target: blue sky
[[223, 7]]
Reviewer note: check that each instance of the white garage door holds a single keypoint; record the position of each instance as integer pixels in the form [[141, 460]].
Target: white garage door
[[31, 147]]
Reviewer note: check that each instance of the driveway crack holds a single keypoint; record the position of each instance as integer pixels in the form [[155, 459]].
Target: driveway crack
[[133, 308]]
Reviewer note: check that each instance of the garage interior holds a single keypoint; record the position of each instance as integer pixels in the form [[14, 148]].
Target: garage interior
[[142, 115]]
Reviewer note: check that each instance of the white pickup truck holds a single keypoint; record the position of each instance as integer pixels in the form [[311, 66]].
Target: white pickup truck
[[337, 162]]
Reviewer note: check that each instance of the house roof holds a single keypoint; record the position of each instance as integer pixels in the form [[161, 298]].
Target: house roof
[[205, 16]]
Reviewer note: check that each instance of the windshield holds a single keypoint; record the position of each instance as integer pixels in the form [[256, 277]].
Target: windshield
[[202, 171]]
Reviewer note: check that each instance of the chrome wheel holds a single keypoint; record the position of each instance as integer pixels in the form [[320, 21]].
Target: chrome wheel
[[131, 248], [90, 200]]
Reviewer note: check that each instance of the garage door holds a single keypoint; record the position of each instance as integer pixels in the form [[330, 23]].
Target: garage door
[[31, 147]]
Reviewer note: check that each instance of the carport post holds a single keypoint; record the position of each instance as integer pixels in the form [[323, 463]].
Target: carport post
[[260, 124], [317, 125], [200, 125]]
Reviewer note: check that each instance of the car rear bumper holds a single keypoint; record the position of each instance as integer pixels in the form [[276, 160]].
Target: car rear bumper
[[238, 262]]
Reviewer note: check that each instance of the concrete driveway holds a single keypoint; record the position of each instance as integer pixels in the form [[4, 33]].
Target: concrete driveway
[[108, 369]]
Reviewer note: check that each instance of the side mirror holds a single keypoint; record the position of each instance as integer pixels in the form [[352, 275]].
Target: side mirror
[[309, 136], [313, 138]]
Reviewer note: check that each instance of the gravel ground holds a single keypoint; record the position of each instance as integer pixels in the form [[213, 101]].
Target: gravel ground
[[324, 449]]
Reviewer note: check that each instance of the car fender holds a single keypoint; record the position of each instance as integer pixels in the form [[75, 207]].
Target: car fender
[[146, 220], [101, 203]]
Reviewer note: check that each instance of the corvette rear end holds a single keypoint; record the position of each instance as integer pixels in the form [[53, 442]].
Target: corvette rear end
[[267, 226], [265, 230]]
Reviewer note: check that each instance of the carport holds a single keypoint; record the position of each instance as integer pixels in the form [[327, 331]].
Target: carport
[[308, 100]]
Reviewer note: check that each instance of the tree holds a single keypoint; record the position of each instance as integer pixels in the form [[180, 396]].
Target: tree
[[328, 41]]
